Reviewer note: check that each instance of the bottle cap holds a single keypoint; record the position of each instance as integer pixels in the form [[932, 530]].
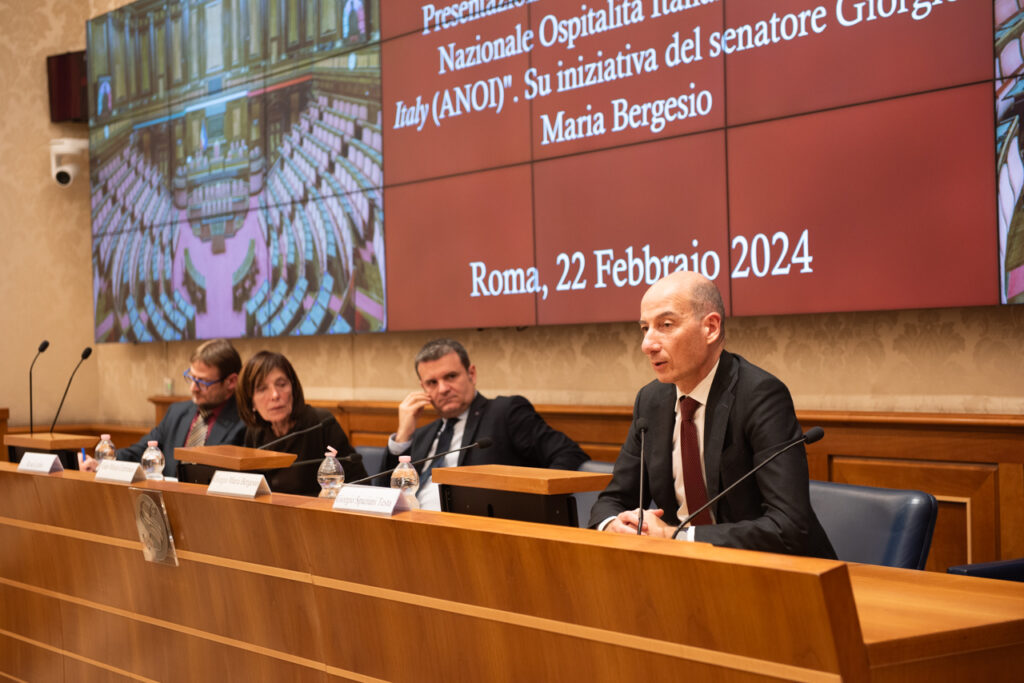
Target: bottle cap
[[330, 452], [151, 444], [404, 458], [105, 437]]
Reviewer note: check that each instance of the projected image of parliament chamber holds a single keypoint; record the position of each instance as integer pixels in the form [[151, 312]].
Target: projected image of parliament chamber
[[236, 169]]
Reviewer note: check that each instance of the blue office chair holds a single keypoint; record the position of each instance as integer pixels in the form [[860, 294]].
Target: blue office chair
[[1007, 570], [871, 525], [586, 499], [373, 461]]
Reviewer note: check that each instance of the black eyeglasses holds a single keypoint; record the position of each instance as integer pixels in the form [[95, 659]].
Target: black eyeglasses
[[204, 383]]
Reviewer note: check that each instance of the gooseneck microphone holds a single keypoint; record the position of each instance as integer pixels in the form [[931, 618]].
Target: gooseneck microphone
[[86, 352], [42, 347], [813, 434], [641, 426], [292, 435], [483, 442]]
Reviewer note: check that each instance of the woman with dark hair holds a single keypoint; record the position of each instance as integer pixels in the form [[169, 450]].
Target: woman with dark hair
[[272, 405]]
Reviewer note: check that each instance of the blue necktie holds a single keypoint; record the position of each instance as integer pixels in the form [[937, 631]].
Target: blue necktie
[[444, 442]]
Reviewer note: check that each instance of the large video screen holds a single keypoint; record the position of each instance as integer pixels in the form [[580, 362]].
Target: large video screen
[[276, 167]]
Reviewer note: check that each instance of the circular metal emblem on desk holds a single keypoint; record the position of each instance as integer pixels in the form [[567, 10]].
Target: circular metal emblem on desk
[[153, 531]]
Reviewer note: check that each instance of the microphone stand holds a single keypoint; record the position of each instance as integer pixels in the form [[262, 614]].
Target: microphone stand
[[298, 433], [42, 347], [86, 352], [813, 434], [481, 443], [641, 426]]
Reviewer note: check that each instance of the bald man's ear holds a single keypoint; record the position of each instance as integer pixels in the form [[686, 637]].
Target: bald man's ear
[[712, 327]]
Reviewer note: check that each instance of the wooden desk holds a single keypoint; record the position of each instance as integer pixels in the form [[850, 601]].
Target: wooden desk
[[284, 588], [237, 458], [521, 479], [529, 494], [46, 442]]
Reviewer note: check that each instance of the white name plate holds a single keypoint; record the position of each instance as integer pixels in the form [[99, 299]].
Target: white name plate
[[238, 484], [40, 463], [119, 472], [374, 500]]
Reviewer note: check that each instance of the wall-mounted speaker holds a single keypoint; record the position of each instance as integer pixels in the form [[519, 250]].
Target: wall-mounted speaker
[[68, 80]]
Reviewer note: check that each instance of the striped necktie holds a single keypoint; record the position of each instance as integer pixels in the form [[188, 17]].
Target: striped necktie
[[197, 434]]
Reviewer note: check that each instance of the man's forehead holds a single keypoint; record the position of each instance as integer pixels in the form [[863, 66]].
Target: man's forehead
[[447, 363], [198, 367], [657, 308]]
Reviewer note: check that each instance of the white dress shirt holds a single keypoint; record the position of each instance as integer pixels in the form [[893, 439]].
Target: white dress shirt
[[429, 495]]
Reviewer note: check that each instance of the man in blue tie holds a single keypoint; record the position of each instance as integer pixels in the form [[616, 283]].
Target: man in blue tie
[[448, 380]]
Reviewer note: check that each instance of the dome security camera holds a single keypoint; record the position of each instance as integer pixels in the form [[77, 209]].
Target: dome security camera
[[64, 175], [62, 171]]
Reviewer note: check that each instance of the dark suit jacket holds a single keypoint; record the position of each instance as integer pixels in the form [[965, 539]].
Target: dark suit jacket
[[228, 428], [521, 437], [310, 446], [748, 416]]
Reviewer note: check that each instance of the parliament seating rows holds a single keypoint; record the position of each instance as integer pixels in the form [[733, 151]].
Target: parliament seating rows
[[317, 214], [220, 197], [323, 202], [133, 249], [330, 126]]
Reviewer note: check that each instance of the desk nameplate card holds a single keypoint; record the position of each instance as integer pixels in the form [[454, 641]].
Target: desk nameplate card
[[40, 463], [238, 484], [119, 472], [374, 500]]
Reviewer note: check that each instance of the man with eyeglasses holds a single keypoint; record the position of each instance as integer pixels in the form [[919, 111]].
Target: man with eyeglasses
[[209, 419]]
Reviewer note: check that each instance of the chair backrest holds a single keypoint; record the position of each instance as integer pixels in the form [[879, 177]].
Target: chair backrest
[[872, 525], [373, 461], [586, 499], [1007, 570], [299, 479]]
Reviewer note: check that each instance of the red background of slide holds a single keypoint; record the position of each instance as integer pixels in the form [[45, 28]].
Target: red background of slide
[[896, 220], [888, 163]]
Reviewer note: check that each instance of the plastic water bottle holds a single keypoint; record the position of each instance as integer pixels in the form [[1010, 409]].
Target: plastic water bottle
[[153, 461], [330, 475], [105, 449], [406, 478]]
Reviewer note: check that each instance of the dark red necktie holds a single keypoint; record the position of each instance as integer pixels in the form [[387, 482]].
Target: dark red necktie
[[693, 473]]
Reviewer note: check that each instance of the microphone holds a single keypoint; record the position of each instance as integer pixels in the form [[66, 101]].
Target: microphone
[[484, 442], [813, 434], [86, 352], [42, 347], [298, 433], [641, 426]]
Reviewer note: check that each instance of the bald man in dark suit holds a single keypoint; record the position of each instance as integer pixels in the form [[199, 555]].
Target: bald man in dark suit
[[738, 415]]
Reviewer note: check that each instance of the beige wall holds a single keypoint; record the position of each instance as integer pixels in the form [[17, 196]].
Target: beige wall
[[952, 360]]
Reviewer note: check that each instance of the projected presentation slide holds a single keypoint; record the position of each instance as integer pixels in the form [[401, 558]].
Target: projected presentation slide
[[236, 170], [285, 167], [808, 158]]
